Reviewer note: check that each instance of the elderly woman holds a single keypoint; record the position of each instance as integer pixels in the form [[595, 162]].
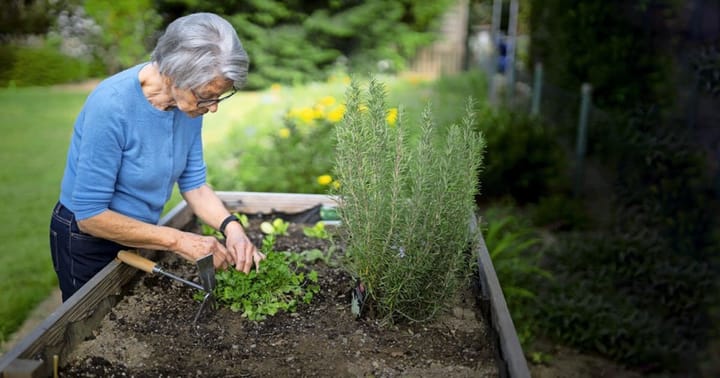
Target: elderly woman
[[137, 135]]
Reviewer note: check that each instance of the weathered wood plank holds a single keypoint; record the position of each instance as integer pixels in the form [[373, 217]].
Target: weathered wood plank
[[512, 356], [23, 369], [259, 202]]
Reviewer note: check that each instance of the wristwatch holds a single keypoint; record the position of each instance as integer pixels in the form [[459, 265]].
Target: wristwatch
[[226, 221]]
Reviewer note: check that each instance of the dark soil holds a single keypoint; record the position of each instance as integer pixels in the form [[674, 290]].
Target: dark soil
[[150, 333]]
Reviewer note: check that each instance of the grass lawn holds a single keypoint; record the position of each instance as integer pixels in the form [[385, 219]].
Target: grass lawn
[[36, 128]]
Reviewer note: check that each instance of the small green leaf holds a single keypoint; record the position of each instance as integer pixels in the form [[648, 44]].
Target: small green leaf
[[267, 228]]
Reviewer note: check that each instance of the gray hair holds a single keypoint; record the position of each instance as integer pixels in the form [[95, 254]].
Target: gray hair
[[198, 48]]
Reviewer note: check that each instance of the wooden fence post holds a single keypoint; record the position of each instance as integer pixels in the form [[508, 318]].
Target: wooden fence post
[[492, 62], [511, 48], [586, 98], [537, 89]]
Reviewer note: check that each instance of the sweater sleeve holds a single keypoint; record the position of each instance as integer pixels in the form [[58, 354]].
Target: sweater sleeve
[[99, 154], [195, 171]]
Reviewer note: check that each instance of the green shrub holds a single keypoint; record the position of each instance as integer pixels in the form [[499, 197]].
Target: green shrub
[[706, 64], [524, 159], [294, 42], [405, 206], [628, 297], [663, 184], [559, 212], [129, 31], [602, 42], [641, 291], [515, 250], [7, 62], [44, 66], [298, 158]]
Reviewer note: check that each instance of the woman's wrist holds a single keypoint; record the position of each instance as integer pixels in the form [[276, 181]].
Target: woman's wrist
[[226, 222]]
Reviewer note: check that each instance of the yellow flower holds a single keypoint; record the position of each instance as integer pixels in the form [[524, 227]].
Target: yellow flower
[[324, 180], [327, 101], [336, 114], [284, 132], [275, 87], [304, 114], [392, 116]]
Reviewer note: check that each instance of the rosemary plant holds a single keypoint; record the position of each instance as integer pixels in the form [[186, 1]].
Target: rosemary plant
[[406, 205]]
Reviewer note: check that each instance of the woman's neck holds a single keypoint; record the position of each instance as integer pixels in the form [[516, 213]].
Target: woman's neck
[[156, 87]]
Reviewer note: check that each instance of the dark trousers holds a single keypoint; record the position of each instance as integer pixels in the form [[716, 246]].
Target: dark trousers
[[76, 256]]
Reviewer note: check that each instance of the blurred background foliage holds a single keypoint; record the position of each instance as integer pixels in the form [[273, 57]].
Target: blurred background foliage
[[627, 269], [292, 42], [630, 59]]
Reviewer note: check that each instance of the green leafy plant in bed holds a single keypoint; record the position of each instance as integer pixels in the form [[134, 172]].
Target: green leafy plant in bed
[[406, 204], [282, 282]]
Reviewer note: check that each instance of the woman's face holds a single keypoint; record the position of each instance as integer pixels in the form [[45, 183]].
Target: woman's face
[[196, 102]]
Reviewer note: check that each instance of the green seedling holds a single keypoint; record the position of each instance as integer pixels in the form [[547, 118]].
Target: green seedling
[[312, 256], [277, 227], [316, 231]]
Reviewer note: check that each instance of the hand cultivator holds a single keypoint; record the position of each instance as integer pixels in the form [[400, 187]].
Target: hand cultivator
[[206, 271]]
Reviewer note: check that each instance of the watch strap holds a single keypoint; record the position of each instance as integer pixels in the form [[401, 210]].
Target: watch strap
[[227, 221]]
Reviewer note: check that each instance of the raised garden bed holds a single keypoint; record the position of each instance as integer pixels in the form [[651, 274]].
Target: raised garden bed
[[129, 323]]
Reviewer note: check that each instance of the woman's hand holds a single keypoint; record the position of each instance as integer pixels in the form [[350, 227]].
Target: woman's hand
[[238, 249], [242, 250], [193, 247]]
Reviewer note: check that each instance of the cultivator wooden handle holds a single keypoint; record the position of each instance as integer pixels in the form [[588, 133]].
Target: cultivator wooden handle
[[136, 261], [139, 262]]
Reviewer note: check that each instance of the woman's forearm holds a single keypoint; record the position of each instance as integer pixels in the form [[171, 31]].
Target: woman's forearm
[[127, 231], [206, 205]]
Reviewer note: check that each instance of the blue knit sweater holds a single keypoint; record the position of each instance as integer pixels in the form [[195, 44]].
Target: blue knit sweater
[[126, 155]]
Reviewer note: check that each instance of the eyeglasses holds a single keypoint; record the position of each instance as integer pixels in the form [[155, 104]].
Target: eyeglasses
[[204, 103]]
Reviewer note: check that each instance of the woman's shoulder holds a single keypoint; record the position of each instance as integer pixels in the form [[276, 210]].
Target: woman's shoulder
[[123, 83]]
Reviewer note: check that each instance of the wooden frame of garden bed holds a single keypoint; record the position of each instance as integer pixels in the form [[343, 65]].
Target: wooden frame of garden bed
[[72, 322]]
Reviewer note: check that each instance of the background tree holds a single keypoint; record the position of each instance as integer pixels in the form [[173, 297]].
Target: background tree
[[620, 47], [295, 41], [640, 288], [128, 31], [23, 17]]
